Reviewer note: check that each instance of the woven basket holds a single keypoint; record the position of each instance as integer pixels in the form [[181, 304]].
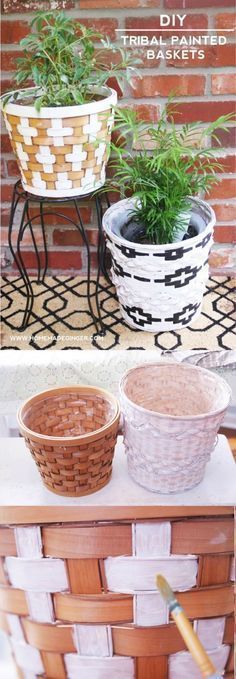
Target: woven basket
[[171, 416], [61, 151], [71, 433], [75, 606], [159, 287]]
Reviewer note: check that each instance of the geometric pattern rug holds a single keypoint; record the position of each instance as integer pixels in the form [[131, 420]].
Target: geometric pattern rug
[[60, 318]]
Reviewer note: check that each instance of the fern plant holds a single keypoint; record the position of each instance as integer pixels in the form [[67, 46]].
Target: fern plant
[[163, 179], [61, 60]]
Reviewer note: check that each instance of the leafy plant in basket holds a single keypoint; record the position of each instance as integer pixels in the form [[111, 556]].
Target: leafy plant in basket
[[69, 75], [160, 236], [179, 165]]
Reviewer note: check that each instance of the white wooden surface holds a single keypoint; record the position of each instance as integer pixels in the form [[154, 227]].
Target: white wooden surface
[[21, 485]]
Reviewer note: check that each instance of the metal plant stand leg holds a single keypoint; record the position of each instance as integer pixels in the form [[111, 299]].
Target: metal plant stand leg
[[102, 248], [34, 241], [85, 239], [24, 274], [42, 255], [44, 242]]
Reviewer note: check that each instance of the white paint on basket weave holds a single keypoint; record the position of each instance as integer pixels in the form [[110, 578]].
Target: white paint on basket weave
[[93, 640], [14, 625], [22, 155], [78, 154], [130, 574], [28, 541], [116, 667], [150, 609], [37, 181], [27, 657], [182, 665], [39, 575], [64, 131], [64, 183], [40, 606], [151, 539], [92, 127], [210, 632]]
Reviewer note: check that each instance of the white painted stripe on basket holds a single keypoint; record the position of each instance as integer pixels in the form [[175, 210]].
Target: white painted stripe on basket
[[28, 541], [61, 176], [152, 539], [39, 575], [27, 657], [116, 667], [76, 167], [14, 624], [210, 632], [92, 127], [56, 123], [48, 169], [129, 574], [40, 606], [58, 141], [65, 184], [27, 131], [182, 665], [45, 151], [150, 609], [20, 152], [64, 131], [77, 155], [93, 640], [99, 152]]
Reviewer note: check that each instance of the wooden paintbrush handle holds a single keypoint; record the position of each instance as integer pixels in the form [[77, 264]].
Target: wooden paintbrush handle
[[193, 643]]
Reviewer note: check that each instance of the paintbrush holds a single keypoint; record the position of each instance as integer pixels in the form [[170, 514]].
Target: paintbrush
[[186, 630]]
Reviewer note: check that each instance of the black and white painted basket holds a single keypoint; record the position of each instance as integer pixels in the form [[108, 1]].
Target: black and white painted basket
[[159, 287]]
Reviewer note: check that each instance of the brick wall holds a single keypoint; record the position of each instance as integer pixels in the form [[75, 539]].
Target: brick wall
[[205, 88]]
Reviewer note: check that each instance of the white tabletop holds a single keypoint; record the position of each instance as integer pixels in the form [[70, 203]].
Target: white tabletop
[[21, 485]]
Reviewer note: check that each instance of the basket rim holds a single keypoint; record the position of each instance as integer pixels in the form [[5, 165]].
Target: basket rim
[[149, 247], [68, 111], [169, 364], [73, 440]]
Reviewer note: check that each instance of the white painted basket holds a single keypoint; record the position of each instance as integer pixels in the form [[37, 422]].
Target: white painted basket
[[171, 416], [159, 287], [61, 151]]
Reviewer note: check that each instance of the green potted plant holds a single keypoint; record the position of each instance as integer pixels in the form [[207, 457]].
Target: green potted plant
[[160, 236], [60, 127]]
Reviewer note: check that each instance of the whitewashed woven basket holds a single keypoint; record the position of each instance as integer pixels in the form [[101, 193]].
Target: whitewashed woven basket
[[171, 416], [159, 287]]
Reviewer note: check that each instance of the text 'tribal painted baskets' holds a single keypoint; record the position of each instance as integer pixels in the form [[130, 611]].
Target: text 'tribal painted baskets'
[[71, 433], [79, 601], [171, 416], [61, 151], [159, 287]]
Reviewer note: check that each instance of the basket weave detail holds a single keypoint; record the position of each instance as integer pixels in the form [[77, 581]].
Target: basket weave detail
[[63, 624], [171, 413], [58, 154], [71, 433]]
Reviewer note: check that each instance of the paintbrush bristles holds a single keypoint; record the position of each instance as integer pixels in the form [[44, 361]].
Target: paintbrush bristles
[[165, 589]]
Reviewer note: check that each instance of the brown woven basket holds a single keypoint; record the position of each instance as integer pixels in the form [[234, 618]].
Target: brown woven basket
[[79, 599], [71, 433]]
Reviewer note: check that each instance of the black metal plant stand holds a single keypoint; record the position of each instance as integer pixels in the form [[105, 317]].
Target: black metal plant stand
[[19, 194]]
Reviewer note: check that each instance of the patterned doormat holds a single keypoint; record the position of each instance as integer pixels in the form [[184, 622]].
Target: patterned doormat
[[60, 318]]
